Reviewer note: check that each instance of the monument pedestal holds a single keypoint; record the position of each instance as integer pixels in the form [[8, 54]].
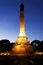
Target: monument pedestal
[[22, 47]]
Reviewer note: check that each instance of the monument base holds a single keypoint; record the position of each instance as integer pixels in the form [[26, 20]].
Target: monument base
[[22, 47]]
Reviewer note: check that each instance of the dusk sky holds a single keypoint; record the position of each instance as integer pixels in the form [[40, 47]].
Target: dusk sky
[[10, 19]]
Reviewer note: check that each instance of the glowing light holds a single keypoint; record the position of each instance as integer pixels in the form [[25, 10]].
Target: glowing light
[[5, 53], [19, 50], [38, 53], [22, 34]]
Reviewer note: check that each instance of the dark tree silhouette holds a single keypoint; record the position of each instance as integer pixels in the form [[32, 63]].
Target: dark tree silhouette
[[35, 44], [41, 46], [4, 45], [11, 45]]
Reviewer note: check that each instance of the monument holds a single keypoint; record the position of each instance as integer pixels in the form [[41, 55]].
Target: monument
[[22, 45]]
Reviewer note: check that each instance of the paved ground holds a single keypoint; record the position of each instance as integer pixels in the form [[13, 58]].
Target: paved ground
[[13, 60]]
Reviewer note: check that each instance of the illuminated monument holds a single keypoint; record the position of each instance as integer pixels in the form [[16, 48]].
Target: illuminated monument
[[22, 45], [22, 36]]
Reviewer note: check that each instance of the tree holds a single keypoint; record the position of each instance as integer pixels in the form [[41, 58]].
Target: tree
[[35, 44], [41, 46], [12, 45], [4, 45]]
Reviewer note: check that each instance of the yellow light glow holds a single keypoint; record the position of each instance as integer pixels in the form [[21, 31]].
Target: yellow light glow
[[5, 53], [22, 34], [19, 50], [22, 40], [38, 53], [22, 28]]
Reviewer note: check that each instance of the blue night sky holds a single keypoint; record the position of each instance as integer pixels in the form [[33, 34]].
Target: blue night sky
[[9, 19]]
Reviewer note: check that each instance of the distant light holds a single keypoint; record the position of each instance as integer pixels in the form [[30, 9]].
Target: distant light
[[38, 53], [5, 53]]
